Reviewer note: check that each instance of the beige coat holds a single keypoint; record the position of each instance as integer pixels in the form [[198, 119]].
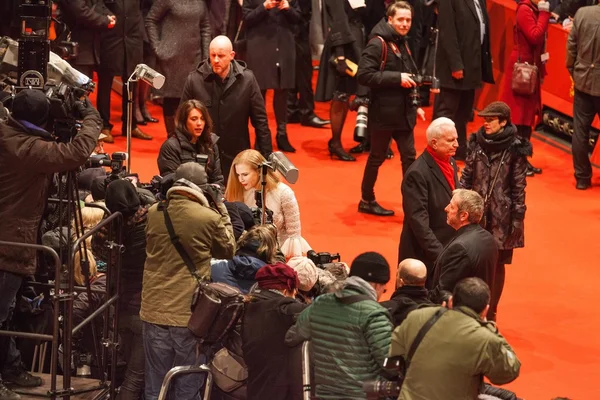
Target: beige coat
[[583, 50]]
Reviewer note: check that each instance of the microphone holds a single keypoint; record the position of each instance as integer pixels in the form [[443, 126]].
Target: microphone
[[150, 76], [285, 167]]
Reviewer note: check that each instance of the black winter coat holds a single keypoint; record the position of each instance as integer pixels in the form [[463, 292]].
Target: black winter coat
[[404, 300], [270, 40], [178, 150], [507, 199], [390, 104], [471, 253], [86, 19], [274, 369], [460, 45], [231, 108], [121, 47], [425, 194]]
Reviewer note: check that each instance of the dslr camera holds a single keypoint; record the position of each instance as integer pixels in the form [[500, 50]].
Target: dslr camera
[[322, 258], [421, 80], [384, 388]]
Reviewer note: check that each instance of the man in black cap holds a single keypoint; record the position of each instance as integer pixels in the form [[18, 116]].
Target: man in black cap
[[349, 330], [29, 155]]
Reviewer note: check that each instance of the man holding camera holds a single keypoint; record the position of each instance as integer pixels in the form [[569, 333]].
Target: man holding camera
[[29, 155], [386, 67]]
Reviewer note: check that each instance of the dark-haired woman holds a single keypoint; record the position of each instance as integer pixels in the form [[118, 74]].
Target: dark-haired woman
[[193, 137]]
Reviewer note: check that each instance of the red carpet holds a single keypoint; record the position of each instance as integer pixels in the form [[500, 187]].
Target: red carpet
[[548, 311]]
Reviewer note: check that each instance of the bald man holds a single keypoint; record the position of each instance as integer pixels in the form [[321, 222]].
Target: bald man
[[410, 291], [231, 93]]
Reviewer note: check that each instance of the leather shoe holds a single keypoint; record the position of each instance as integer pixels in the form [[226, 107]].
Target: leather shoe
[[108, 136], [583, 184], [372, 207], [137, 133], [314, 122], [535, 170], [529, 172], [150, 119], [362, 147]]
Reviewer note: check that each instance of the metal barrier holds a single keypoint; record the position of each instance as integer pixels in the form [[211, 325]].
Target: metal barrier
[[190, 369], [306, 383], [63, 296]]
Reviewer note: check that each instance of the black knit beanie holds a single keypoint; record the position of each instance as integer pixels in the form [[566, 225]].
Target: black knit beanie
[[122, 197], [31, 105], [372, 267]]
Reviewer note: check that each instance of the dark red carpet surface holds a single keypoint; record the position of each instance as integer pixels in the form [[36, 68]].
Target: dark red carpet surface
[[548, 310]]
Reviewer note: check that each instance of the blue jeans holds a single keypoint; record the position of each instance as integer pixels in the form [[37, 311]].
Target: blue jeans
[[166, 347], [9, 286], [132, 340]]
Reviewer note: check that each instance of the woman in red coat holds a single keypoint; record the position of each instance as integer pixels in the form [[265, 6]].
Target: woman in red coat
[[529, 45]]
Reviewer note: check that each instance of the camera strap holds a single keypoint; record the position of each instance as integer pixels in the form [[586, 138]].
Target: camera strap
[[177, 243], [422, 332], [384, 51]]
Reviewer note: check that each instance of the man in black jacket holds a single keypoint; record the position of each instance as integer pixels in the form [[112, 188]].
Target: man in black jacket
[[463, 62], [473, 250], [426, 190], [410, 290], [386, 67], [231, 93]]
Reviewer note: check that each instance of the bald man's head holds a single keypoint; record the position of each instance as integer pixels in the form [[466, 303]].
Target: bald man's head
[[221, 55], [411, 272]]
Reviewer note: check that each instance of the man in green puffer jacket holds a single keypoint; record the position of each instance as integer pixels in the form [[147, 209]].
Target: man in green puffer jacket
[[349, 330]]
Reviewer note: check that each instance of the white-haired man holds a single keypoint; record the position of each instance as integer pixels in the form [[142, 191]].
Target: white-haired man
[[426, 191]]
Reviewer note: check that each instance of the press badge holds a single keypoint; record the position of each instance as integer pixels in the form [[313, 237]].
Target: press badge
[[545, 57]]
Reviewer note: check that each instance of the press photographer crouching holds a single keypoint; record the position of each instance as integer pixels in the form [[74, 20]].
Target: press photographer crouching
[[29, 156], [171, 274]]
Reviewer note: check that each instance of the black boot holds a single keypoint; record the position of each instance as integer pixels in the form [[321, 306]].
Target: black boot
[[533, 169], [283, 143], [338, 112], [280, 109], [372, 207], [362, 147]]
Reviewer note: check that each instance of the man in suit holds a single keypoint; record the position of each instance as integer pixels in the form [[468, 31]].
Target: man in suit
[[463, 62], [426, 190], [473, 250]]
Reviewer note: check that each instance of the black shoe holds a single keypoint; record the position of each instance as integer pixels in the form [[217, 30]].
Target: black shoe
[[533, 169], [283, 144], [362, 147], [141, 122], [390, 154], [7, 394], [21, 377], [372, 207], [150, 119], [583, 184], [339, 153], [314, 122], [147, 117], [530, 172]]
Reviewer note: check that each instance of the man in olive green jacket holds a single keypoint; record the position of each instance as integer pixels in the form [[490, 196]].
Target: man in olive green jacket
[[458, 351], [349, 331]]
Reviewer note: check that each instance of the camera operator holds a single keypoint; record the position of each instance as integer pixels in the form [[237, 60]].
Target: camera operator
[[29, 156], [459, 350], [388, 72]]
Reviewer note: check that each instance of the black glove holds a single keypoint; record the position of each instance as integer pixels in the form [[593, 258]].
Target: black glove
[[516, 230], [341, 66], [85, 108]]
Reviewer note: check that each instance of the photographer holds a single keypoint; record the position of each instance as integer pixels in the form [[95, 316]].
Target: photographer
[[388, 72], [29, 156]]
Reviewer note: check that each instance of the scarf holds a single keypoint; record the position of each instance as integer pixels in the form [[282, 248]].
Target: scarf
[[496, 142], [445, 166]]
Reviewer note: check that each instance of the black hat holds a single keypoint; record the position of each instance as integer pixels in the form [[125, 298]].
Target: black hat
[[236, 221], [372, 267], [193, 172], [496, 109], [98, 188], [122, 197], [246, 215], [31, 105]]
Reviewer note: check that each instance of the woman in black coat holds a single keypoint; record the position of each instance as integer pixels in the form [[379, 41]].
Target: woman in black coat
[[193, 141], [274, 369], [496, 168], [272, 54]]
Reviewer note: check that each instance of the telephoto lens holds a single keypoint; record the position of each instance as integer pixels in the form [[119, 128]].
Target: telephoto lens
[[381, 389], [362, 119]]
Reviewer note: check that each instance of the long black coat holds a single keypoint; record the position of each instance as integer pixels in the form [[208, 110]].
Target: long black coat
[[230, 109], [274, 369], [507, 199], [121, 47], [460, 45], [86, 19], [270, 37], [425, 194], [390, 105], [472, 252]]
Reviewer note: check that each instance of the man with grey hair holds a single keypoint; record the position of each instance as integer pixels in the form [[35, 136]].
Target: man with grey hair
[[473, 250], [410, 291], [426, 189]]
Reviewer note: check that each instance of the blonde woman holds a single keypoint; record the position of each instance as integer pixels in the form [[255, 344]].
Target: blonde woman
[[244, 180]]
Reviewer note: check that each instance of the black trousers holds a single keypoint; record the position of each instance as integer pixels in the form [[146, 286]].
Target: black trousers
[[456, 105], [585, 108], [380, 140], [302, 99], [103, 100]]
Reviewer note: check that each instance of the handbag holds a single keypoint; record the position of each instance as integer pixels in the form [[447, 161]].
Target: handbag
[[489, 192], [229, 372], [525, 75]]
